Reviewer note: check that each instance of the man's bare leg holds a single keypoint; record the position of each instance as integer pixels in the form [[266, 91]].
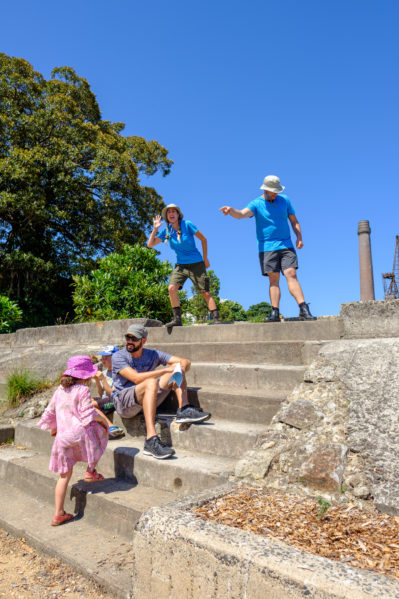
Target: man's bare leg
[[146, 396], [293, 285], [181, 392], [274, 289]]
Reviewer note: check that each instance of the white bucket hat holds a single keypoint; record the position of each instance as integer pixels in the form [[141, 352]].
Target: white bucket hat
[[272, 183], [165, 210]]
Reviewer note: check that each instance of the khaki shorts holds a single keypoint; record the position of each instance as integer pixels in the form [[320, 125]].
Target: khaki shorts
[[195, 272], [126, 403]]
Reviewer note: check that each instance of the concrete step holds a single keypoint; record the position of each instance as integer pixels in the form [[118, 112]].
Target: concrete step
[[114, 504], [216, 437], [230, 403], [265, 352], [99, 555], [323, 329], [185, 473], [259, 377]]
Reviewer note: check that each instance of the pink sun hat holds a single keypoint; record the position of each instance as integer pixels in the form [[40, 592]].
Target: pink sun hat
[[80, 367]]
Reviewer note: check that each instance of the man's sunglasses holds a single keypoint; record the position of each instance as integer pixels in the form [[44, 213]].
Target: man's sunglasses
[[131, 338]]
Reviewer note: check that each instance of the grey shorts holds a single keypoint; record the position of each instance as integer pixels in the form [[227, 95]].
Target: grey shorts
[[126, 403], [278, 261]]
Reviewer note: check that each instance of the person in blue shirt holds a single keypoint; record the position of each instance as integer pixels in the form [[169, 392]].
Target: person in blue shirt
[[273, 212], [180, 233]]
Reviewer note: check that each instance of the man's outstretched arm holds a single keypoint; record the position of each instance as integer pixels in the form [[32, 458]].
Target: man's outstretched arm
[[244, 213]]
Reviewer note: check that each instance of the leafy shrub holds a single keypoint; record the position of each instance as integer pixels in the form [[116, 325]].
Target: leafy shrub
[[21, 383], [196, 305], [258, 312], [129, 284], [232, 311], [10, 315]]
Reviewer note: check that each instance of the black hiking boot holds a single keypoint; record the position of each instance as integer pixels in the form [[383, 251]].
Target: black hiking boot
[[274, 316], [304, 312], [176, 322], [215, 316]]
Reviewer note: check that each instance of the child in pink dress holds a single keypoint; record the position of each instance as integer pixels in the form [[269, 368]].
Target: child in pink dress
[[80, 430]]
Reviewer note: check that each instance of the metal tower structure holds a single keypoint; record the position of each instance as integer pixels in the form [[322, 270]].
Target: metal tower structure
[[390, 280]]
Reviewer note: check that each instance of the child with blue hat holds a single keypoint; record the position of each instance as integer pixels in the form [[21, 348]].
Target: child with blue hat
[[105, 387]]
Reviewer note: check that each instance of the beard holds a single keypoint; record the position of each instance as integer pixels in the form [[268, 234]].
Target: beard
[[132, 348]]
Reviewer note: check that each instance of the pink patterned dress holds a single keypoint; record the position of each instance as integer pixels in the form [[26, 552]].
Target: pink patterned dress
[[79, 437]]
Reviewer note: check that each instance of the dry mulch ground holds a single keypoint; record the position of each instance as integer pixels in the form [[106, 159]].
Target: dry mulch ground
[[25, 574], [366, 540]]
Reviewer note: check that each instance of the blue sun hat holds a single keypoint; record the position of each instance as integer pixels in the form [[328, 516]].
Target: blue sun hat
[[108, 350]]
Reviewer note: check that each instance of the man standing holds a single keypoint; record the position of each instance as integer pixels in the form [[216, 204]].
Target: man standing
[[139, 386], [272, 211]]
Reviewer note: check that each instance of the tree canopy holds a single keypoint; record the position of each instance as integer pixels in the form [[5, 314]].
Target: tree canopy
[[70, 188]]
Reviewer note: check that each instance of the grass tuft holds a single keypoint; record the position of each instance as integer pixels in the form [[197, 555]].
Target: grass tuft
[[21, 383]]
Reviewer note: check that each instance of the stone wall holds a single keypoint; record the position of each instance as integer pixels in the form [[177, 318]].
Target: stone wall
[[338, 431]]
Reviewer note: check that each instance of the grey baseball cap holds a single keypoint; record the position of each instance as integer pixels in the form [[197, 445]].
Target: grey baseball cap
[[137, 330]]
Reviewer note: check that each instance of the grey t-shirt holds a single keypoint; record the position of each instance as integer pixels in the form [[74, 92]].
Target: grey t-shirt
[[149, 360]]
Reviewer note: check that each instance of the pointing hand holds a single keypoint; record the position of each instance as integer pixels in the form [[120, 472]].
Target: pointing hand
[[225, 210]]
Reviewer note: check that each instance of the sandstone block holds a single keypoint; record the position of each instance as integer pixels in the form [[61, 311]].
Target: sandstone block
[[301, 413], [324, 468]]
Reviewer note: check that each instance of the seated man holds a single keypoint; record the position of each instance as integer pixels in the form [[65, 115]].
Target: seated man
[[139, 386]]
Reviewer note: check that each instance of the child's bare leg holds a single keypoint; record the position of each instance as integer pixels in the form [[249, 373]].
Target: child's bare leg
[[95, 403], [60, 492]]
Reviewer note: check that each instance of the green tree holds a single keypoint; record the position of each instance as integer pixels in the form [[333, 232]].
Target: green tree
[[196, 305], [132, 283], [230, 310], [70, 189], [258, 312], [10, 315]]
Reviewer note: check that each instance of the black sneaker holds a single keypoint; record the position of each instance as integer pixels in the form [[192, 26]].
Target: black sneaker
[[191, 414], [155, 447]]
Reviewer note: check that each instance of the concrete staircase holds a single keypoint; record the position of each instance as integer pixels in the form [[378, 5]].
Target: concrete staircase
[[239, 372]]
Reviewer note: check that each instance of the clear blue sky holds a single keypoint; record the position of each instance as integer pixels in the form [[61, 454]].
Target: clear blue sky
[[238, 90]]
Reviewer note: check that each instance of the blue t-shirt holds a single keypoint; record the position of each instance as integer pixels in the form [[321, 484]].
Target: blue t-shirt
[[149, 360], [186, 250], [272, 225]]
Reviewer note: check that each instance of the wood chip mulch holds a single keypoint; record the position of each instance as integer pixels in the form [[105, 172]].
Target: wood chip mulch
[[366, 540]]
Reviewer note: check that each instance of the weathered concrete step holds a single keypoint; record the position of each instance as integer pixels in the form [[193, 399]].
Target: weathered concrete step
[[216, 437], [230, 403], [325, 328], [184, 473], [97, 554], [241, 406], [262, 377], [265, 352], [114, 504]]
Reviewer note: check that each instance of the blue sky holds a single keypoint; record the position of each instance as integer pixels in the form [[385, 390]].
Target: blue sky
[[305, 90]]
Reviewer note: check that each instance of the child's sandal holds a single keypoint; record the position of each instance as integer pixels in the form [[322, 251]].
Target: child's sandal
[[115, 432], [57, 520], [93, 477]]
